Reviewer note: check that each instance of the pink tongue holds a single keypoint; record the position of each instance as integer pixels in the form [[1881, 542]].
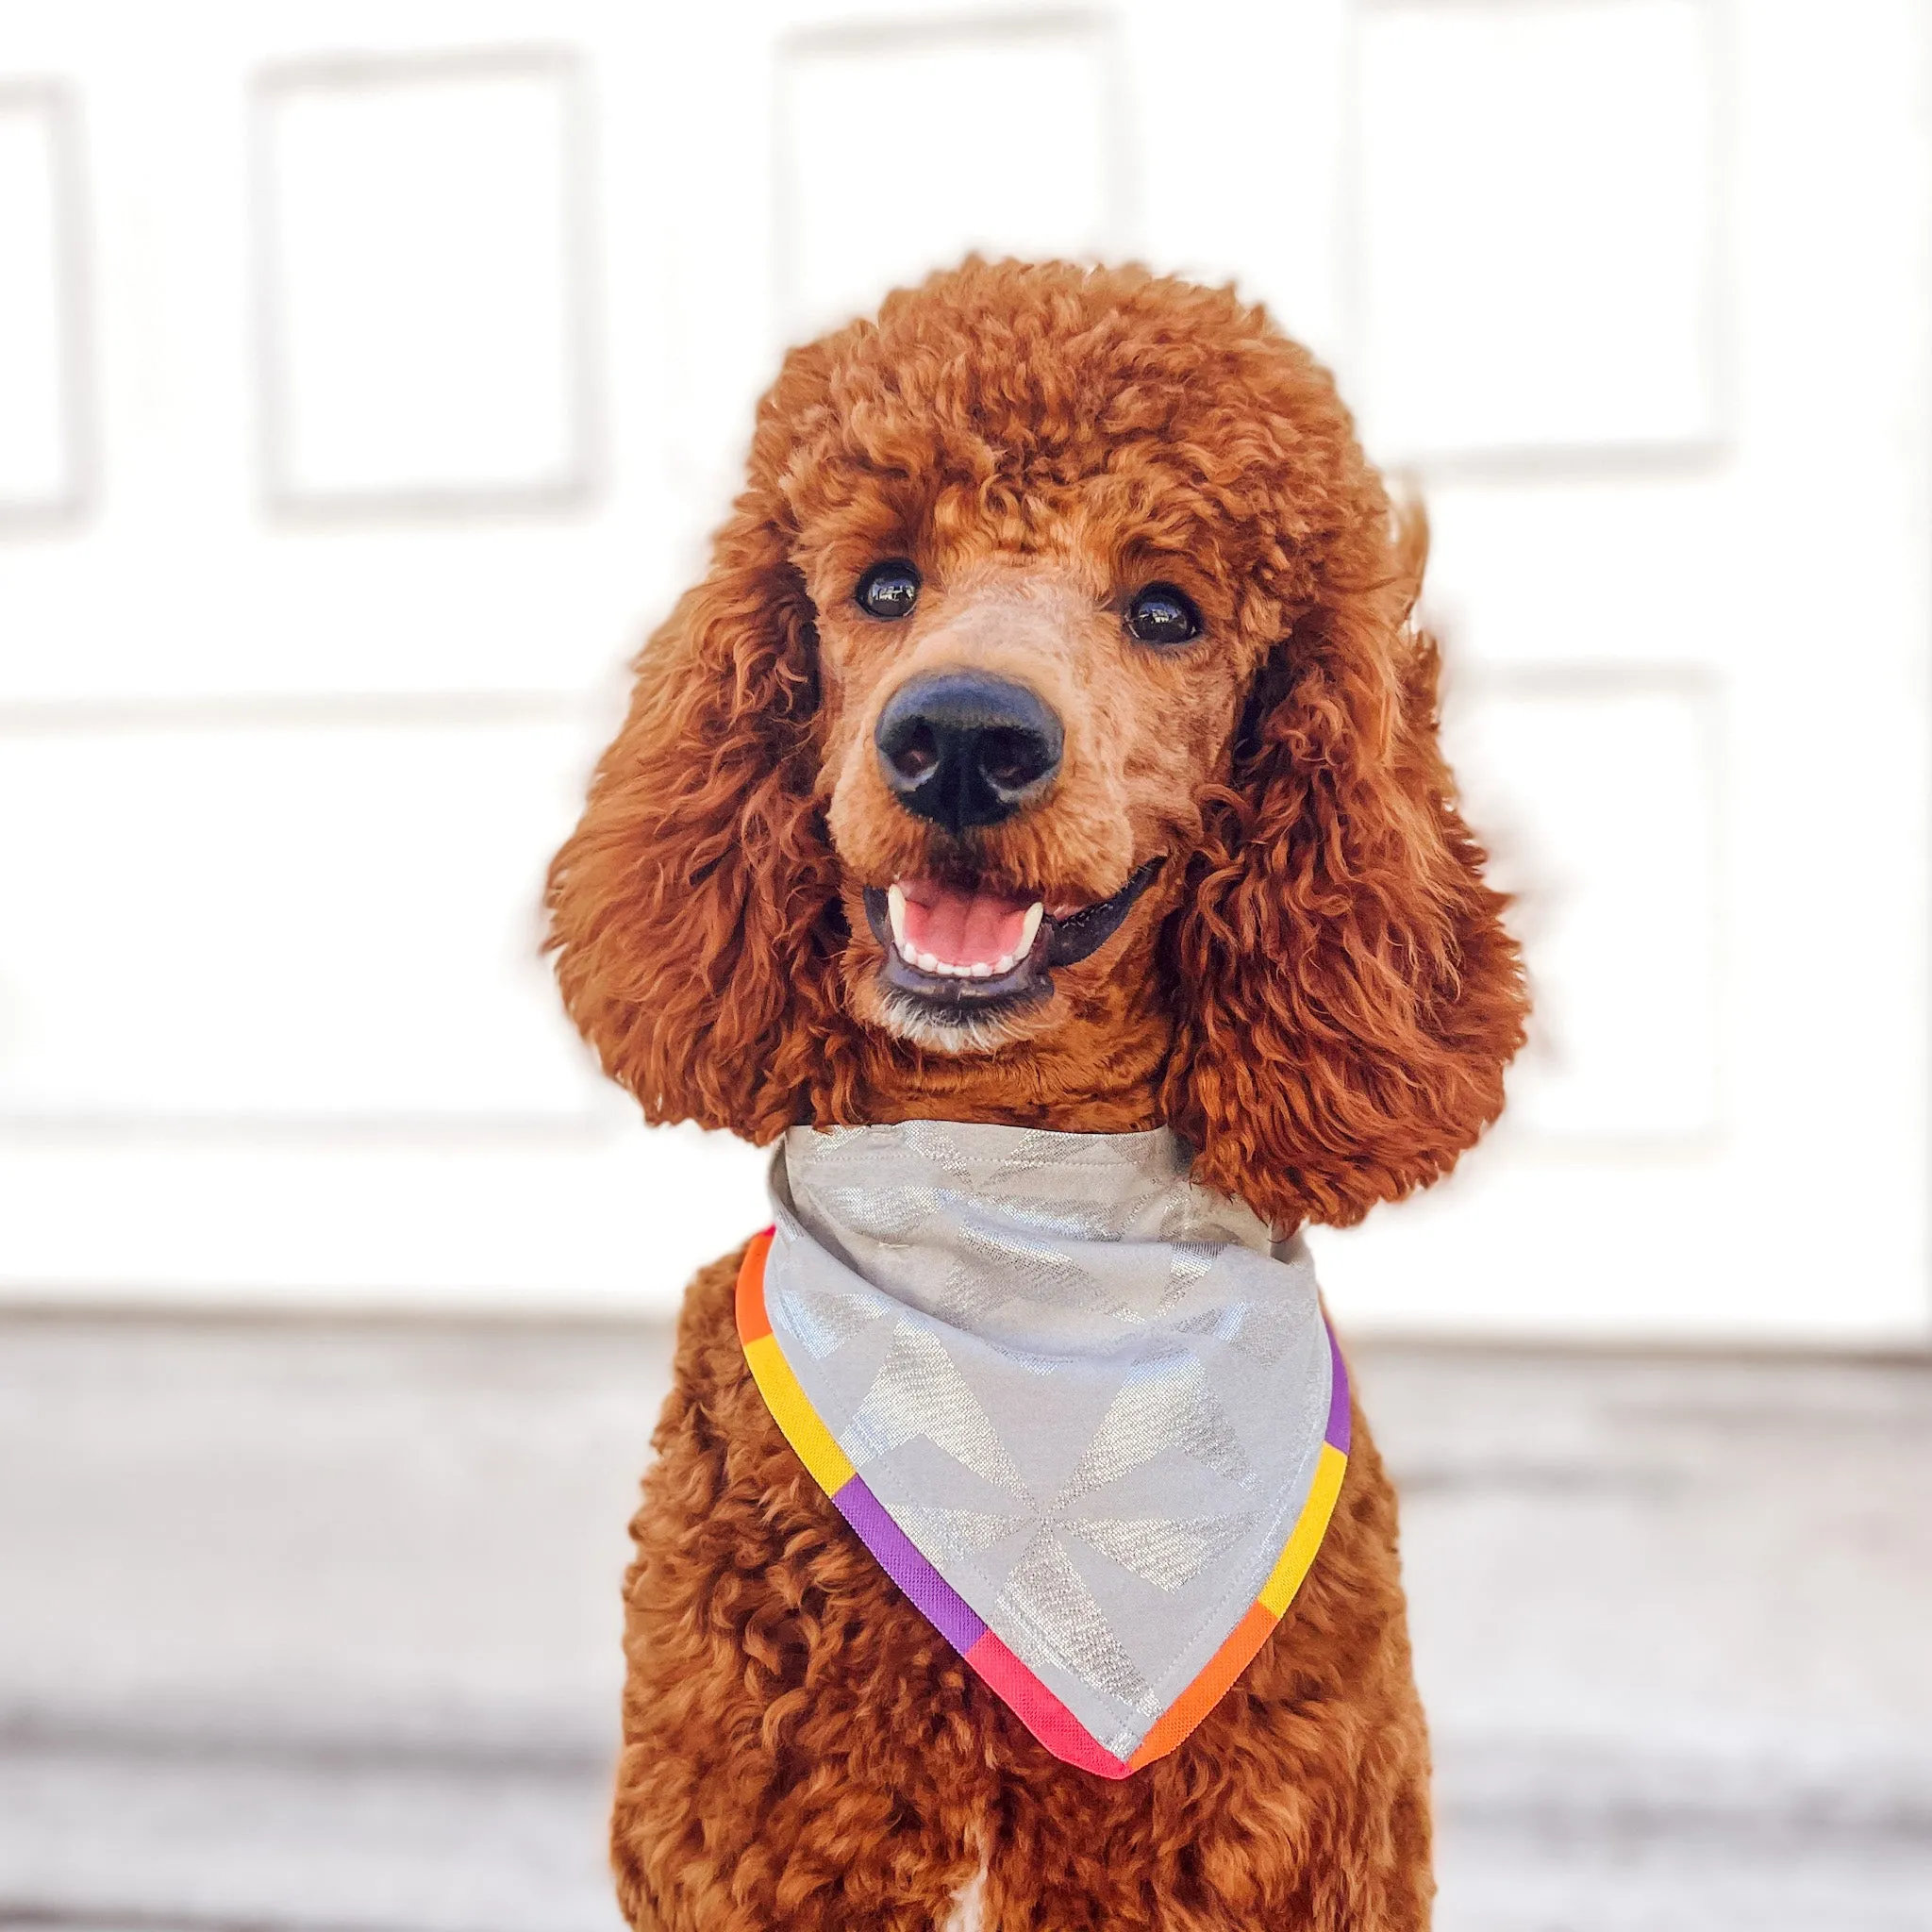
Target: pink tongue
[[961, 929]]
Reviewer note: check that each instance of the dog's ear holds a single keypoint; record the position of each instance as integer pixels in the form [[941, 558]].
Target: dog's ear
[[692, 911], [1347, 997]]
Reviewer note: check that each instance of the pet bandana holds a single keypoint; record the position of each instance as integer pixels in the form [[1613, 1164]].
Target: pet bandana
[[1080, 1410]]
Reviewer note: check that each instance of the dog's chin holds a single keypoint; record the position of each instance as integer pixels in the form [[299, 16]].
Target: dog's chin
[[966, 967]]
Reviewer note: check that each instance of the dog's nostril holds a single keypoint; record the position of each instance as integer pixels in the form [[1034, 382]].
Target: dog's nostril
[[1013, 759], [916, 753], [962, 749]]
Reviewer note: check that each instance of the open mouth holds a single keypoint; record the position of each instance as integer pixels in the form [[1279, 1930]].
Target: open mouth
[[966, 945]]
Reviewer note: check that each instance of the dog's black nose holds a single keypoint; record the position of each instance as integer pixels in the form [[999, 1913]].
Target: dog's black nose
[[963, 749]]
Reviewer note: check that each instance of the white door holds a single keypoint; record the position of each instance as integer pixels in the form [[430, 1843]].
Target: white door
[[369, 375]]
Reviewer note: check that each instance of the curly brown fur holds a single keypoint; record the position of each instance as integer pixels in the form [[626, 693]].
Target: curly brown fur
[[1317, 992]]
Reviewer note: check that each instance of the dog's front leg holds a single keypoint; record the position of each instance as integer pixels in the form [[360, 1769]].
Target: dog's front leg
[[798, 1754]]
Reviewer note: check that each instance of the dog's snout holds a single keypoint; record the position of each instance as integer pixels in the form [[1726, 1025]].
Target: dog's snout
[[964, 749]]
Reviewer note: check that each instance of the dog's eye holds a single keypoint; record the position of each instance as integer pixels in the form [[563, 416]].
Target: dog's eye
[[888, 590], [1161, 614]]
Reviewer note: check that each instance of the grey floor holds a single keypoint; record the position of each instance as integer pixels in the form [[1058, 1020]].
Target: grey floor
[[311, 1628]]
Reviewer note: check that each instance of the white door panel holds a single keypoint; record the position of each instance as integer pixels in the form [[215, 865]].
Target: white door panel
[[413, 356], [1021, 151], [284, 922], [42, 432], [421, 282], [1547, 280]]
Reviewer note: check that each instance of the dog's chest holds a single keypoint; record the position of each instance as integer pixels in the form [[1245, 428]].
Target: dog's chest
[[967, 1914]]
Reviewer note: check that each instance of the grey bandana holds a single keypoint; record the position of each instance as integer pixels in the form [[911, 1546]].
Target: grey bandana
[[1081, 1411]]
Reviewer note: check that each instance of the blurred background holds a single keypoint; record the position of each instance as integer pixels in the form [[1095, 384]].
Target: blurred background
[[369, 377]]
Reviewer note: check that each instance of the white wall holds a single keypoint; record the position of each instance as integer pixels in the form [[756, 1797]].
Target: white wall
[[370, 374]]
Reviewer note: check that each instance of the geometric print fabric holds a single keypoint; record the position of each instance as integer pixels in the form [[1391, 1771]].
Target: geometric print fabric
[[1085, 1415]]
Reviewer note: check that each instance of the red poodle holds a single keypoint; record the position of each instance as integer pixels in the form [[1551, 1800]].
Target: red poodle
[[1035, 823]]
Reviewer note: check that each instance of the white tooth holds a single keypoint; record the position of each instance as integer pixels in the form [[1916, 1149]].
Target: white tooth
[[981, 970], [929, 963], [895, 911], [1002, 964], [1027, 931], [909, 952]]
